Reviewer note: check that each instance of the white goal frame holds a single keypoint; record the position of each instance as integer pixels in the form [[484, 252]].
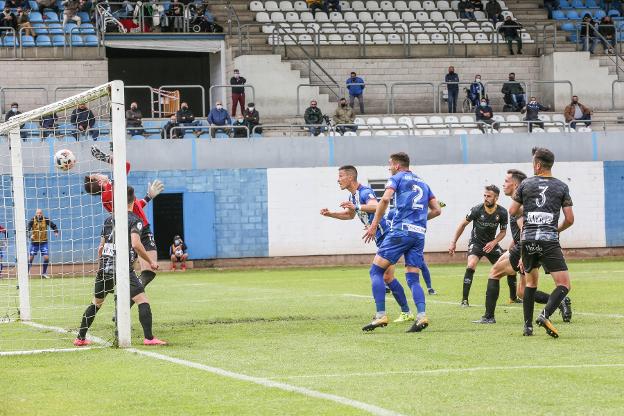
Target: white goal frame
[[115, 90]]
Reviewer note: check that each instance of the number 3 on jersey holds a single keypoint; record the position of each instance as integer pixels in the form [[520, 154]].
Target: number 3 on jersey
[[542, 199], [416, 203]]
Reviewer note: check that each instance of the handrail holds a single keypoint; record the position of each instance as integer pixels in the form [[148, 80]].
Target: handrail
[[80, 30], [563, 81], [203, 95], [69, 88], [615, 58], [253, 90], [384, 84], [232, 12], [14, 45], [442, 84], [405, 83], [210, 129], [309, 85], [290, 127]]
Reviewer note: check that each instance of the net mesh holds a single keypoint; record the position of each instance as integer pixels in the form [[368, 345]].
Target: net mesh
[[59, 296]]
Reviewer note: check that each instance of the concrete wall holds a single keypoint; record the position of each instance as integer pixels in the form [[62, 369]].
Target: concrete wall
[[48, 74]]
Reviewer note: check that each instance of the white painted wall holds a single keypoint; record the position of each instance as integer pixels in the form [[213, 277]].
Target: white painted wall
[[296, 196]]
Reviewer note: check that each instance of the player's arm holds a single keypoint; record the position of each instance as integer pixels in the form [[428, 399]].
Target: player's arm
[[568, 219], [458, 232], [101, 246], [515, 208], [153, 190], [499, 237], [435, 209], [52, 226], [347, 214], [382, 206], [135, 239]]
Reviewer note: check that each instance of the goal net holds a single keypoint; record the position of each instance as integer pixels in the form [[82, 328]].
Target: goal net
[[50, 227]]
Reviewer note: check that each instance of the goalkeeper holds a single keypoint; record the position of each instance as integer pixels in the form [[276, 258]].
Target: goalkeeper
[[105, 279], [99, 184]]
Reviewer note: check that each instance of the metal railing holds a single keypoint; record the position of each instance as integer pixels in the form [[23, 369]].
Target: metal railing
[[3, 37], [586, 42], [412, 83], [212, 130], [213, 87], [197, 86]]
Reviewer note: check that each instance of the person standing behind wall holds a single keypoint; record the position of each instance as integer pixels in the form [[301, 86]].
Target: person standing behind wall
[[355, 86], [238, 93]]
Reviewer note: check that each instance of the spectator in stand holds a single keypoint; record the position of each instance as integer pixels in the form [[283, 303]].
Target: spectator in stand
[[494, 11], [452, 86], [510, 31], [315, 5], [477, 5], [485, 115], [185, 117], [466, 10], [238, 127], [12, 113], [532, 110], [84, 120], [314, 115], [607, 31], [513, 93], [8, 19], [72, 7], [178, 253], [355, 86], [343, 117], [477, 91], [175, 17], [252, 119], [168, 132], [551, 5], [333, 5], [48, 124], [588, 33], [577, 111], [15, 4], [134, 119], [48, 4], [219, 117], [23, 22], [238, 93]]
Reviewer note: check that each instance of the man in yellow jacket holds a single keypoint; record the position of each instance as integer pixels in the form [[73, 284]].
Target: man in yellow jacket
[[38, 229]]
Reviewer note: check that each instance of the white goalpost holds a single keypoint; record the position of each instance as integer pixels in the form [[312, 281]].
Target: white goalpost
[[42, 298]]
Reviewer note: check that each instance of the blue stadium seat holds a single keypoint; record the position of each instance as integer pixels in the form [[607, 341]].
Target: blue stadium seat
[[40, 29], [599, 14], [9, 40], [1, 4], [256, 136], [44, 40], [591, 4], [55, 29], [33, 5], [58, 40], [36, 17], [222, 136], [91, 40], [28, 41], [69, 27], [137, 137], [154, 137], [558, 15], [614, 13], [577, 4], [87, 29], [568, 27], [84, 17], [68, 139], [52, 17], [152, 126], [103, 139], [76, 40], [563, 4], [573, 15]]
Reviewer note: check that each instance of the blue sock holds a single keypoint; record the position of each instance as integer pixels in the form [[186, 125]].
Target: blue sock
[[399, 294], [45, 266], [417, 291], [426, 275], [379, 287]]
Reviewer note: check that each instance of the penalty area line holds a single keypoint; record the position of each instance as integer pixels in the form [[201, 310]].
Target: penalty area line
[[372, 409]]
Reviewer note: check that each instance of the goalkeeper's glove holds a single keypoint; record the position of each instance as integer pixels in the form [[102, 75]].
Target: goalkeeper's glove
[[100, 155], [154, 189]]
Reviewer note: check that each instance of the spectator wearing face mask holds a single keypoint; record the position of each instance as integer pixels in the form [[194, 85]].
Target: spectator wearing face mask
[[48, 124], [477, 91], [8, 19], [134, 119], [355, 86], [23, 22], [219, 117], [532, 110], [84, 120], [238, 93], [239, 127], [314, 115], [485, 115], [577, 111], [452, 86], [185, 117], [12, 113], [344, 117], [252, 119], [513, 93], [178, 253], [168, 132]]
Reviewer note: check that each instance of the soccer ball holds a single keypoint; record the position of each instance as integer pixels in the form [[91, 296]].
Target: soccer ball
[[64, 159], [179, 253]]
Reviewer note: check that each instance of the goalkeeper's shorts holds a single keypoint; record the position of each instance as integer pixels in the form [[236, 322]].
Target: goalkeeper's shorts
[[105, 284]]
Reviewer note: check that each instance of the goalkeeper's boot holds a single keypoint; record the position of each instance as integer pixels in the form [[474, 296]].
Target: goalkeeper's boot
[[547, 325], [528, 331], [404, 317], [376, 323], [153, 341], [565, 308], [512, 301], [432, 291], [485, 320], [421, 323], [81, 342]]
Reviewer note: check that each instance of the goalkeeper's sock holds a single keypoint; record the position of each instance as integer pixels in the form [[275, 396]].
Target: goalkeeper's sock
[[146, 277], [145, 317], [399, 294], [426, 275], [512, 282], [45, 266], [87, 319]]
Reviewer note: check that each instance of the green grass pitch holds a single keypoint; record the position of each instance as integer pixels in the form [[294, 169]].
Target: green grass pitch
[[302, 327]]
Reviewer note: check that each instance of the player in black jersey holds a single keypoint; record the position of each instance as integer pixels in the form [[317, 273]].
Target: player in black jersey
[[487, 217], [540, 200], [105, 279]]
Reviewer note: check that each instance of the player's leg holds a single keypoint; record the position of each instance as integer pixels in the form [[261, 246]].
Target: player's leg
[[377, 271], [531, 263], [183, 260], [399, 294], [502, 267], [32, 252], [45, 254], [414, 259], [147, 239], [554, 262], [174, 259], [138, 296], [103, 286], [471, 267], [427, 278]]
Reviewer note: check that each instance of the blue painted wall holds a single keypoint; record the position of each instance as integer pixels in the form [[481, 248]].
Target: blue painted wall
[[614, 201]]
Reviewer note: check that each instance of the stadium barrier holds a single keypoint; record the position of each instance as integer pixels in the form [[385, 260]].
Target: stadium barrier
[[218, 86]]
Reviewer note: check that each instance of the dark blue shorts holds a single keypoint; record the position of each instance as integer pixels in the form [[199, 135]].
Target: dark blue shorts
[[402, 243], [39, 247]]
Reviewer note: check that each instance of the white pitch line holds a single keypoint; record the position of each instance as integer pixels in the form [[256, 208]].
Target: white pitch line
[[97, 340], [31, 352], [372, 409], [597, 314], [455, 370]]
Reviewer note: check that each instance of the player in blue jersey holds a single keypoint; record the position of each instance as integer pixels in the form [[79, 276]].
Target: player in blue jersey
[[415, 204], [363, 203]]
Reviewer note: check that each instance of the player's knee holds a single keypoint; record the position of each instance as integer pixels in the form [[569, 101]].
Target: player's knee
[[412, 279], [140, 298], [388, 276], [98, 302], [173, 259]]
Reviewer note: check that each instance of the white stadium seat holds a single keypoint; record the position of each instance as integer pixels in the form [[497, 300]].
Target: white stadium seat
[[301, 6], [395, 39], [480, 15], [292, 17], [415, 6], [406, 120], [429, 5], [271, 6], [558, 117], [336, 17], [334, 39], [553, 130], [458, 132], [351, 17], [467, 121], [277, 17], [386, 6], [450, 16], [365, 17], [443, 5], [400, 5], [372, 5], [359, 121], [451, 119], [466, 38], [444, 132], [256, 6], [286, 6], [349, 133], [389, 121], [345, 5], [382, 133], [481, 38], [408, 17], [506, 130], [307, 17], [544, 117], [397, 133], [473, 27], [379, 17], [538, 130], [475, 131], [429, 132], [422, 17], [358, 6], [436, 17], [423, 39], [321, 17], [373, 121], [394, 17], [379, 39], [366, 133], [420, 121], [436, 121], [263, 17]]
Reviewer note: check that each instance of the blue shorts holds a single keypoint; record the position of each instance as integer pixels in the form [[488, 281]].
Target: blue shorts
[[379, 238], [402, 243], [39, 247]]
